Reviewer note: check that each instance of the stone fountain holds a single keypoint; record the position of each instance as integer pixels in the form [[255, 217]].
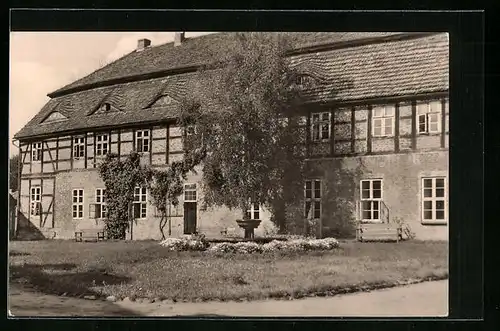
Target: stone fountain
[[249, 226]]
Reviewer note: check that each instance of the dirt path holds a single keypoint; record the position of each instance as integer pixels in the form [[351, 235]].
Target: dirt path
[[425, 299], [24, 302]]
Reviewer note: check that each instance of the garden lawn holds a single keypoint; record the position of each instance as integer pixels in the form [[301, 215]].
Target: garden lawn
[[147, 270]]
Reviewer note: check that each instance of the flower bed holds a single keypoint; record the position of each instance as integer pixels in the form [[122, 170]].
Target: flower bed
[[249, 247], [184, 244]]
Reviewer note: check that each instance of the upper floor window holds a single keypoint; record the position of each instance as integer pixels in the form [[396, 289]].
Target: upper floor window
[[429, 117], [142, 140], [320, 126], [312, 194], [36, 152], [78, 147], [383, 121], [102, 144]]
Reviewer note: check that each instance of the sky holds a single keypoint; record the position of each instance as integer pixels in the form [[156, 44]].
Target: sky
[[42, 62]]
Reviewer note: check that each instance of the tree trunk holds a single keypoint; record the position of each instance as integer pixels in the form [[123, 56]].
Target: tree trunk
[[162, 225]]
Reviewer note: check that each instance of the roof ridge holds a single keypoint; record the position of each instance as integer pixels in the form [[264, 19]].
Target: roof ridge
[[193, 66]]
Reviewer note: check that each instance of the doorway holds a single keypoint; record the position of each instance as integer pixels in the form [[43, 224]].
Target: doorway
[[190, 217]]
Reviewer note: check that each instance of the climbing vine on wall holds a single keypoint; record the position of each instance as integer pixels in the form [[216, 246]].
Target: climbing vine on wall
[[121, 176]]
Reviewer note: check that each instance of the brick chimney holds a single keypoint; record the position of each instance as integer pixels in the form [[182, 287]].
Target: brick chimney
[[142, 44], [179, 38]]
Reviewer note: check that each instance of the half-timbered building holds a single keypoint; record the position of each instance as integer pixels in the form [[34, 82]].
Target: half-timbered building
[[381, 114]]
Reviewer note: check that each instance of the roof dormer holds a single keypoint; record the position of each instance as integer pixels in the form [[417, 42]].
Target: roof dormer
[[105, 107], [54, 116], [162, 101]]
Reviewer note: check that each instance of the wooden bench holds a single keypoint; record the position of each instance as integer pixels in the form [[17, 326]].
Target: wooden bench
[[90, 235], [379, 232]]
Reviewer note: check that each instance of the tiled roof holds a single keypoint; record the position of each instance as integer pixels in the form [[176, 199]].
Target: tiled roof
[[397, 68], [391, 68], [132, 98], [193, 51]]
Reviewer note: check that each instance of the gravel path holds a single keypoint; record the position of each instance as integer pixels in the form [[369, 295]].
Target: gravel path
[[424, 299]]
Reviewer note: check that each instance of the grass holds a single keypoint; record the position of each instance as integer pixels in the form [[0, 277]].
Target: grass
[[147, 270]]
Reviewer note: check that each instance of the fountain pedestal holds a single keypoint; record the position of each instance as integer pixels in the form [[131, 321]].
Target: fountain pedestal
[[249, 226]]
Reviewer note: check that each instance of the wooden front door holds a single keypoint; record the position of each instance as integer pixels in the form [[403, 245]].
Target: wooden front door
[[190, 217]]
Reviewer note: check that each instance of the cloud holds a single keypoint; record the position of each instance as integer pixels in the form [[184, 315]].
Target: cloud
[[27, 93], [33, 76]]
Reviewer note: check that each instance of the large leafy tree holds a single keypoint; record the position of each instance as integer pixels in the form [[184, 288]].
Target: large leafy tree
[[240, 114]]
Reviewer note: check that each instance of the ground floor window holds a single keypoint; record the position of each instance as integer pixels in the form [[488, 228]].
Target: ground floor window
[[78, 203], [35, 202], [312, 195], [371, 198], [100, 203], [433, 199], [140, 202], [253, 212]]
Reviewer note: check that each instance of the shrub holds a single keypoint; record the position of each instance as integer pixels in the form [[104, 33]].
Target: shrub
[[184, 244], [194, 243]]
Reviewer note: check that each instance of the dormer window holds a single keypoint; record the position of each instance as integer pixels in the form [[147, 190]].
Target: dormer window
[[302, 81], [54, 117], [190, 130], [105, 107], [162, 101]]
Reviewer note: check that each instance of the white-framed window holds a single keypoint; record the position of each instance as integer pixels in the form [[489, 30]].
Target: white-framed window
[[371, 198], [100, 203], [35, 200], [429, 117], [190, 193], [253, 213], [77, 203], [312, 196], [142, 141], [78, 147], [101, 144], [434, 199], [140, 202], [320, 126], [36, 152], [383, 121]]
